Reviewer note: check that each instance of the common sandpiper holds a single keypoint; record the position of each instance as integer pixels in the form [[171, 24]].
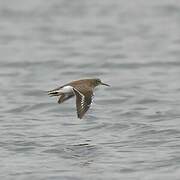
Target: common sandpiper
[[82, 89]]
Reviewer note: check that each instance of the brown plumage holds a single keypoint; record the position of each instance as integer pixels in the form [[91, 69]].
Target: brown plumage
[[82, 89]]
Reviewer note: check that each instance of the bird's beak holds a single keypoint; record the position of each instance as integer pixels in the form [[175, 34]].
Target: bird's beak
[[105, 84]]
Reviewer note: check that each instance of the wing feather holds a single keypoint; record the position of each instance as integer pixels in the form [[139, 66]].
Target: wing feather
[[83, 101]]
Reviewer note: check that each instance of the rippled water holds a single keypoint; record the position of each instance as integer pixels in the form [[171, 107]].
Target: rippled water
[[132, 131]]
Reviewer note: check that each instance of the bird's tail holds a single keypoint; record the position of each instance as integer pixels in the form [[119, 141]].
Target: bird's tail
[[54, 93]]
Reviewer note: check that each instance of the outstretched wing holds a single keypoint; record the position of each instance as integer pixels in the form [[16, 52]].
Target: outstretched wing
[[65, 97], [83, 101]]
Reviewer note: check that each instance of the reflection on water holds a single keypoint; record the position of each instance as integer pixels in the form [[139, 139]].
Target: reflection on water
[[132, 129]]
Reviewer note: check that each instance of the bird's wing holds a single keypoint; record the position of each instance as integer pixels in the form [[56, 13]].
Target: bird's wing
[[83, 101], [65, 97]]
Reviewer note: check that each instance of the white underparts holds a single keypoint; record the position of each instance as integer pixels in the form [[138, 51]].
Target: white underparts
[[66, 90]]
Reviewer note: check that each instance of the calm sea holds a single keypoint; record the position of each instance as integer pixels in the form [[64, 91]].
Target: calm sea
[[132, 131]]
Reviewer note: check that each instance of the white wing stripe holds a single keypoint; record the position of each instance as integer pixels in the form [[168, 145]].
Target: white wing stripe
[[82, 98]]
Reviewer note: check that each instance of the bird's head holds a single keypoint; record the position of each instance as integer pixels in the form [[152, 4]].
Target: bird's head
[[98, 82]]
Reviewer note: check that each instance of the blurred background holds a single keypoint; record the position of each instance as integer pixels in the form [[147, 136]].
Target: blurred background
[[132, 130]]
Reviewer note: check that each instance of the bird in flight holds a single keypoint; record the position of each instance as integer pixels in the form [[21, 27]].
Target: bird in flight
[[82, 89]]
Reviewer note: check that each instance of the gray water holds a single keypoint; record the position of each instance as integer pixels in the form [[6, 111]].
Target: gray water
[[132, 130]]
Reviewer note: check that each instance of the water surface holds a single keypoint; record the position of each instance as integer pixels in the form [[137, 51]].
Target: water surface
[[132, 130]]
